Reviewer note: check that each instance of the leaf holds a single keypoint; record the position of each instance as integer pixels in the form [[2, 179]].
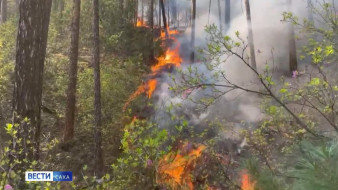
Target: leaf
[[329, 50], [315, 81], [283, 90]]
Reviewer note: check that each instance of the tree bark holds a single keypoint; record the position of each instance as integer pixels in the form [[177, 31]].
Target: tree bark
[[142, 11], [164, 19], [220, 15], [3, 11], [168, 12], [29, 67], [159, 13], [227, 14], [151, 25], [122, 15], [72, 73], [193, 28], [97, 92], [293, 65], [250, 35]]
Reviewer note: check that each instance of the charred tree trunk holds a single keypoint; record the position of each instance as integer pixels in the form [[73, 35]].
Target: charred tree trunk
[[250, 35], [293, 65], [97, 92], [72, 73], [3, 11], [30, 58], [227, 14], [164, 19], [193, 28]]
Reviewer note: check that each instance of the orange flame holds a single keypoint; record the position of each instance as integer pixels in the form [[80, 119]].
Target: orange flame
[[151, 87], [247, 183], [140, 23], [170, 59], [148, 88], [175, 169]]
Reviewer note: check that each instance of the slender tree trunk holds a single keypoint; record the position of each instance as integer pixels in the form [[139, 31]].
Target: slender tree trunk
[[293, 65], [250, 33], [30, 58], [164, 19], [209, 12], [174, 12], [136, 11], [186, 18], [151, 25], [73, 58], [142, 9], [122, 15], [220, 15], [168, 12], [159, 14], [310, 12], [3, 11], [97, 92], [227, 14], [193, 28]]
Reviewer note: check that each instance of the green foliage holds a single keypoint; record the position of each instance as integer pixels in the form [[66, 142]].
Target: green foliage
[[143, 145]]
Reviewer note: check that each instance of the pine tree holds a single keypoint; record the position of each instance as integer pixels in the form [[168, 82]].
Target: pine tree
[[97, 92], [72, 73]]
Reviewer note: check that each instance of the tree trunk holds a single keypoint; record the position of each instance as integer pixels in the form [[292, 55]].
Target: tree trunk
[[136, 12], [73, 58], [174, 12], [159, 13], [250, 35], [310, 12], [122, 14], [142, 9], [168, 12], [227, 14], [97, 92], [151, 25], [293, 65], [193, 28], [30, 58], [3, 11], [164, 19], [220, 15]]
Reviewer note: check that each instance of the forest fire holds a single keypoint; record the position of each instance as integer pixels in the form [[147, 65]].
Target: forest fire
[[175, 168], [169, 59], [149, 87], [247, 183], [140, 23]]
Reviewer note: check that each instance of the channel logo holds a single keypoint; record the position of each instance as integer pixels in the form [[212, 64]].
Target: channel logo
[[48, 176]]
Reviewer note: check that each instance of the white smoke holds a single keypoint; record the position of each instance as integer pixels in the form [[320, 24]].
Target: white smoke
[[271, 43]]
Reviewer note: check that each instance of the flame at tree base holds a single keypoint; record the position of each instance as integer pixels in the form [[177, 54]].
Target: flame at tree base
[[175, 168], [247, 183], [170, 59]]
